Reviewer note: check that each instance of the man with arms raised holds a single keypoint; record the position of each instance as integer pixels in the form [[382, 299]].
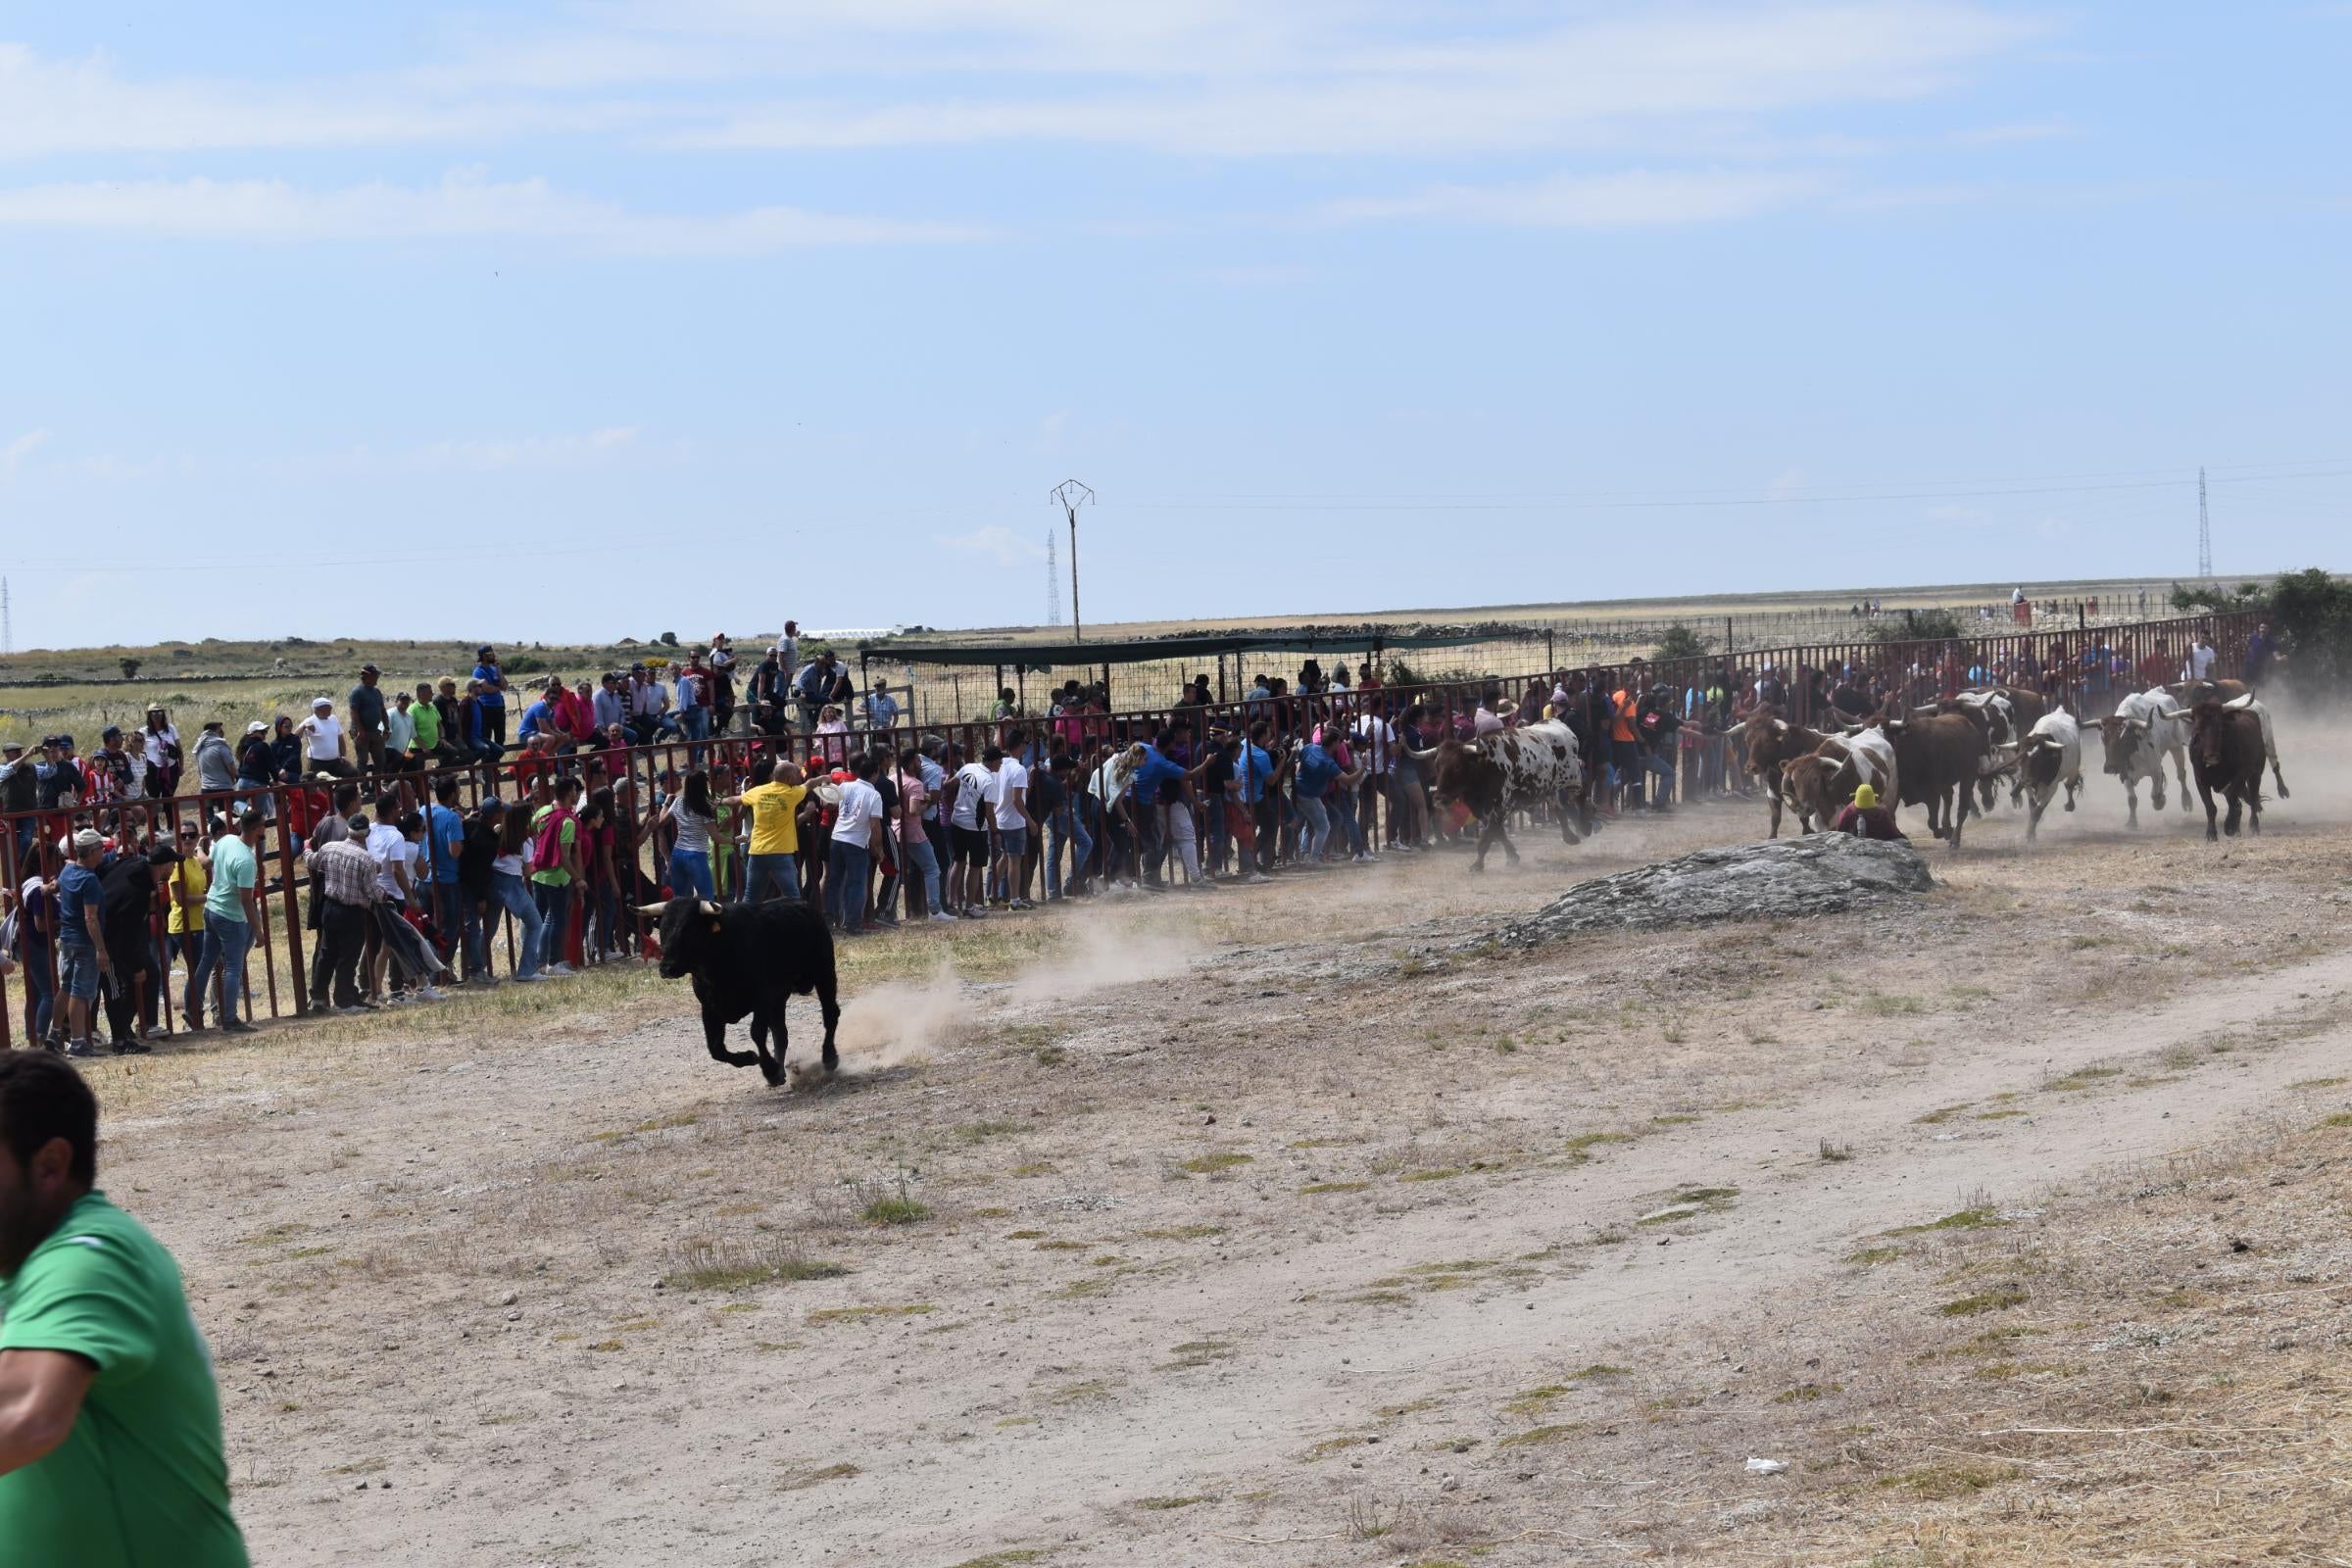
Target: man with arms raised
[[110, 1424]]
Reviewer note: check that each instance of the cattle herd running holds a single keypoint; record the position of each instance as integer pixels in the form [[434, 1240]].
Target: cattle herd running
[[1952, 757]]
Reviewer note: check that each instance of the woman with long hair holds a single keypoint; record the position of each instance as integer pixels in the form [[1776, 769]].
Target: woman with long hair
[[511, 893], [690, 815]]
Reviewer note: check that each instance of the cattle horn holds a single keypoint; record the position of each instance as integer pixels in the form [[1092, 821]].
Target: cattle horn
[[707, 906], [653, 910], [1421, 756]]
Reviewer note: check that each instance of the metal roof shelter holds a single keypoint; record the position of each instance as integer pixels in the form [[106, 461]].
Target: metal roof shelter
[[1186, 646]]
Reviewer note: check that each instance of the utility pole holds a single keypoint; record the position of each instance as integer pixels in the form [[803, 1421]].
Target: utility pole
[[1052, 584], [2204, 531], [8, 625], [1070, 495]]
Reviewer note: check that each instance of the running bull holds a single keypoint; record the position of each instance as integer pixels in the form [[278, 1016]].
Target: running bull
[[750, 958], [1512, 770]]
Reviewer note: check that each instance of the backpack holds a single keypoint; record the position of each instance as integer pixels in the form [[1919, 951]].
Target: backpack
[[547, 853]]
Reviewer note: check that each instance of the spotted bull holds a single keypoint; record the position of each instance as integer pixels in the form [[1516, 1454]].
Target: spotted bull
[[2145, 728], [1512, 770]]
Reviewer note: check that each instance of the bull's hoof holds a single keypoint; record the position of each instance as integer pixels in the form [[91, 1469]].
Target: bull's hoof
[[805, 1077], [772, 1070], [2282, 783], [1478, 866]]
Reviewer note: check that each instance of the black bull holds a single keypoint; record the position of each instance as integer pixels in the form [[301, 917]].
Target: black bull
[[1506, 771], [750, 958]]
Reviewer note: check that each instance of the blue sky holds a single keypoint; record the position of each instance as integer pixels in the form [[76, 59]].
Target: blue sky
[[588, 320]]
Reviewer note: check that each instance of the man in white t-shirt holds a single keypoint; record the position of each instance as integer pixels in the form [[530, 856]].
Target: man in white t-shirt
[[967, 839], [1008, 794], [856, 833], [2200, 659], [322, 739]]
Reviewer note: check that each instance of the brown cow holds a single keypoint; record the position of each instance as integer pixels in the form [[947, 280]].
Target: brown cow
[[1825, 779], [1772, 743], [2191, 693], [2225, 747], [1935, 760]]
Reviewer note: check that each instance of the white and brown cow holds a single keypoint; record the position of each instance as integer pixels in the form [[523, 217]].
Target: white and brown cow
[[2050, 759], [2145, 728], [1825, 779]]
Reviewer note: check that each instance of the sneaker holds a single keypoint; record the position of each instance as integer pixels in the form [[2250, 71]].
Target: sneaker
[[1021, 904], [526, 979], [237, 1026], [81, 1049], [191, 1026], [353, 1012], [559, 971], [1257, 879], [429, 994], [132, 1048], [942, 914]]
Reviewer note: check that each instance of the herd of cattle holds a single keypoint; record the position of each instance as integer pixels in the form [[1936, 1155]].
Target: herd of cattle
[[1951, 758], [749, 960]]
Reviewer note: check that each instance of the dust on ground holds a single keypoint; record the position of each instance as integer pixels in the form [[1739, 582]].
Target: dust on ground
[[1278, 1226]]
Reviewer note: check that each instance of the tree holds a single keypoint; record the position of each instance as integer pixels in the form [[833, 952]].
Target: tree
[[1916, 626], [670, 639], [1679, 642], [129, 668], [2210, 597], [2312, 613]]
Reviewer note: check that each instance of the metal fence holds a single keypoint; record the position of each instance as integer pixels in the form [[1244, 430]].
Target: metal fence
[[2091, 667]]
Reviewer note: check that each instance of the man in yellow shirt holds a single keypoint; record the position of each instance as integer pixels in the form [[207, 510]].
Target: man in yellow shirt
[[774, 798], [184, 921]]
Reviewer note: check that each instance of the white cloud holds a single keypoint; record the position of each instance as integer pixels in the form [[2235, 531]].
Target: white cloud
[[13, 455], [463, 204], [1345, 90], [1229, 78], [996, 544], [1639, 197]]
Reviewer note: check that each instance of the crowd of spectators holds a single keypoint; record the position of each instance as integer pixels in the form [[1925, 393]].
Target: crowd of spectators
[[442, 845]]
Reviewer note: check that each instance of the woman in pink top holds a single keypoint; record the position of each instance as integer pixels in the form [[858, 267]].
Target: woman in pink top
[[915, 845]]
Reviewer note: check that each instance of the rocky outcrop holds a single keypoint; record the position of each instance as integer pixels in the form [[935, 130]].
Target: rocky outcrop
[[1820, 873]]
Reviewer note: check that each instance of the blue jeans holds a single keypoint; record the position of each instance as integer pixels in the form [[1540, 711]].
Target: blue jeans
[[782, 871], [555, 920], [690, 870], [40, 992], [1318, 829], [845, 885], [475, 931], [1064, 824], [225, 944], [513, 896], [918, 856], [448, 921]]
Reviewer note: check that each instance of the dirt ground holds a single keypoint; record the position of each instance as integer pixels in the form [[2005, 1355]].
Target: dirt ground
[[1296, 1226]]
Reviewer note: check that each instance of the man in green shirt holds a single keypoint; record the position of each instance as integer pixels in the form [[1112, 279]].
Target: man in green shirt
[[228, 917], [110, 1424], [427, 719]]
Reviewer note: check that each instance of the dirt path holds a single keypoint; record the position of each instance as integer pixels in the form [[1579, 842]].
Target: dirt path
[[1239, 1213]]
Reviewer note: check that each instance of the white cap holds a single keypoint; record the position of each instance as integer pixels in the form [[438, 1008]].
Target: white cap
[[257, 728], [322, 701]]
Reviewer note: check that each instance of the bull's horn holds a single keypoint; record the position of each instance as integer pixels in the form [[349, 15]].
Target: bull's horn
[[653, 909], [706, 906], [1473, 748], [1421, 756]]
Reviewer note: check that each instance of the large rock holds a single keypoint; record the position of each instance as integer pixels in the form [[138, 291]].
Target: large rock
[[1819, 873]]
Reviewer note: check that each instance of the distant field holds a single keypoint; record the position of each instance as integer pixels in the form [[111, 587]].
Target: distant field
[[80, 690]]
